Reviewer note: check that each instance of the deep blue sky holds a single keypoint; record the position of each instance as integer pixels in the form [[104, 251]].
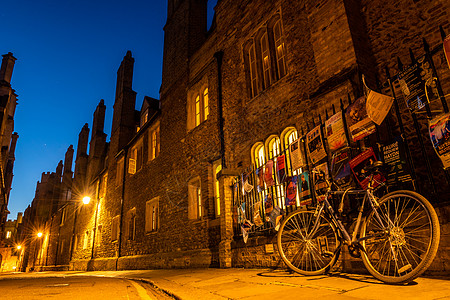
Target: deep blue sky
[[68, 53]]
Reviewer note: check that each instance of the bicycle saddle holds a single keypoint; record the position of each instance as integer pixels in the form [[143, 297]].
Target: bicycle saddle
[[376, 166]]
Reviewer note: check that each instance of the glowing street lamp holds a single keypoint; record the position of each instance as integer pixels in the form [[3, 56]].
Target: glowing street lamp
[[39, 234], [86, 200], [19, 247]]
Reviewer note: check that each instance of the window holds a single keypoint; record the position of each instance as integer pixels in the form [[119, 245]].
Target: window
[[217, 167], [265, 56], [152, 215], [119, 171], [86, 239], [253, 70], [103, 185], [258, 156], [63, 216], [273, 147], [265, 59], [131, 224], [99, 234], [144, 118], [289, 135], [136, 157], [154, 143], [8, 234], [195, 199], [198, 107], [279, 49], [115, 228]]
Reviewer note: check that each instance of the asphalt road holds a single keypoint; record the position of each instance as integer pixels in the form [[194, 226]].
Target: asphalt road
[[78, 287]]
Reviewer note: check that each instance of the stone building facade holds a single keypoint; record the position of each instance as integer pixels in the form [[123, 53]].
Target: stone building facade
[[162, 189]]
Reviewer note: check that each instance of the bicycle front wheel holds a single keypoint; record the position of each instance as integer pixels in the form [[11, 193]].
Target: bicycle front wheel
[[306, 248], [402, 243]]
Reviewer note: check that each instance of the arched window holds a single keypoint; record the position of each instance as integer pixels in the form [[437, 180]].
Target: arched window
[[265, 58], [273, 147], [253, 70], [258, 157], [198, 116], [289, 135], [279, 49], [205, 103]]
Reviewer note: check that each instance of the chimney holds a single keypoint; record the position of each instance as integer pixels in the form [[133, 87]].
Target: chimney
[[7, 67]]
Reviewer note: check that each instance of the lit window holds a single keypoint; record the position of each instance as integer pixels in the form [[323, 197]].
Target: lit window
[[253, 70], [279, 49], [289, 136], [274, 147], [152, 215], [197, 111], [8, 234], [217, 168], [154, 143], [86, 239], [258, 155], [206, 103], [195, 199], [265, 59], [136, 158]]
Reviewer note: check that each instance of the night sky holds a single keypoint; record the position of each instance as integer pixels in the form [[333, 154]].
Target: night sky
[[68, 53]]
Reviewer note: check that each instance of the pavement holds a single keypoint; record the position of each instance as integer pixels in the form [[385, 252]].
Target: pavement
[[234, 283]]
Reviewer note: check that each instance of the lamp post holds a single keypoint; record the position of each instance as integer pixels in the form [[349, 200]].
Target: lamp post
[[39, 235]]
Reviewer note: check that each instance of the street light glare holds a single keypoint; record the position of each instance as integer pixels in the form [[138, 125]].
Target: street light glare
[[39, 234], [19, 247], [86, 200]]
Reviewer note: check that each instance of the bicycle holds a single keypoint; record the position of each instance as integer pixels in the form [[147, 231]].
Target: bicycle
[[397, 236]]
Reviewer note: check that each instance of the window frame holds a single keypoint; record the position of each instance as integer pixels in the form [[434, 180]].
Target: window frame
[[195, 199], [152, 215]]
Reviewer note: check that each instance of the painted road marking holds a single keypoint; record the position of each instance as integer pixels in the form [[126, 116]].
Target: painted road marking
[[141, 291]]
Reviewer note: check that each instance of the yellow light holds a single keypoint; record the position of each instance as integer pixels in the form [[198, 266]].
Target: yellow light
[[39, 234], [19, 247], [86, 200]]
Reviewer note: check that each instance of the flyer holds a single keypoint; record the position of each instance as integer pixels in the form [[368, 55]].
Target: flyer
[[418, 84], [340, 168], [358, 122], [315, 145], [335, 132], [295, 151], [303, 189], [268, 177], [281, 168], [377, 105], [357, 165], [394, 157], [291, 190], [439, 129], [447, 49]]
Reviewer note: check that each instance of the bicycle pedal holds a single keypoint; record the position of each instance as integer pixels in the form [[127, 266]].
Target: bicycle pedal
[[327, 254]]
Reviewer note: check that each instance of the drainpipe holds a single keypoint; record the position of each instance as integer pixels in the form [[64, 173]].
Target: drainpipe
[[219, 56]]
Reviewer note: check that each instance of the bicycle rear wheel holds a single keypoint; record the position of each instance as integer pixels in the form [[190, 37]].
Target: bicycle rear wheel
[[305, 250], [404, 246]]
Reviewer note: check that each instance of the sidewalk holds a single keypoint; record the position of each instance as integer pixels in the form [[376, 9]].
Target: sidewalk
[[260, 284]]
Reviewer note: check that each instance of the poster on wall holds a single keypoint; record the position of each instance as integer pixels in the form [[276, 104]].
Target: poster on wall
[[340, 168], [268, 171], [304, 191], [291, 190], [418, 84], [295, 151], [246, 186], [358, 164], [377, 105], [358, 122], [394, 157], [315, 145], [281, 168], [335, 132], [447, 49], [439, 129], [259, 176]]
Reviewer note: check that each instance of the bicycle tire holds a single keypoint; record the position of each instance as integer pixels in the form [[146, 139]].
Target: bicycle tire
[[404, 250], [312, 255]]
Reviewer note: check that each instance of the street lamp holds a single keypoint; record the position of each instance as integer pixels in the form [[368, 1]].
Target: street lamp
[[86, 200], [39, 234]]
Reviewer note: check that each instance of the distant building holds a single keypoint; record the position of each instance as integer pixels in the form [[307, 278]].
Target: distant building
[[166, 191], [8, 138]]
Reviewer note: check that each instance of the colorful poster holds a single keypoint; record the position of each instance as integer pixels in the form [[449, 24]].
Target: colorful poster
[[246, 226], [439, 129], [268, 177], [275, 217], [320, 183], [291, 190], [257, 220], [447, 49], [295, 151], [303, 189], [418, 84], [335, 132], [281, 168], [259, 176], [358, 164], [315, 145], [268, 204], [358, 122], [394, 157], [378, 105], [340, 169]]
